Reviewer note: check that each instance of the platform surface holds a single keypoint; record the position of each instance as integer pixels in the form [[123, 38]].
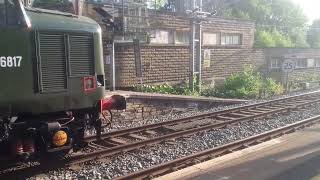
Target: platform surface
[[291, 157]]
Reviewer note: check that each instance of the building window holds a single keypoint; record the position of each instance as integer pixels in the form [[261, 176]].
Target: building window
[[210, 39], [317, 62], [230, 39], [275, 64], [310, 63], [161, 37], [182, 37], [301, 63]]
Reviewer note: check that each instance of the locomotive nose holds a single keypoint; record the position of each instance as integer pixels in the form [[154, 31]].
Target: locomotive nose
[[115, 102]]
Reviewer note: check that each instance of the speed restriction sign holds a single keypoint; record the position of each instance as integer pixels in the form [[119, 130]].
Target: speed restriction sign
[[288, 66]]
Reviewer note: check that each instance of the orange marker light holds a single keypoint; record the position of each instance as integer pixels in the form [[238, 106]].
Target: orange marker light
[[60, 138]]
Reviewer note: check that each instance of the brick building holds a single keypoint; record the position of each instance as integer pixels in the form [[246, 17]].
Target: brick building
[[166, 57], [227, 47], [307, 64]]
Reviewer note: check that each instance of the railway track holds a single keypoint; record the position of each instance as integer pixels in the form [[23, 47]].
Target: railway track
[[224, 115], [218, 151], [134, 138]]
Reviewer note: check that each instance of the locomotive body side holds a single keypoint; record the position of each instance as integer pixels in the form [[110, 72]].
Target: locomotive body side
[[44, 67], [51, 81]]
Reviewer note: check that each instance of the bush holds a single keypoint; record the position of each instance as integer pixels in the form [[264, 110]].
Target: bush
[[271, 88], [247, 84], [180, 89], [296, 83], [272, 39]]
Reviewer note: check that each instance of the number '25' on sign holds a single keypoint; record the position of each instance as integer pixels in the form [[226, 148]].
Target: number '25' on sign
[[288, 66]]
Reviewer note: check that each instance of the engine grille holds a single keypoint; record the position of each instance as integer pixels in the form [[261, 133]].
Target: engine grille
[[53, 62], [81, 55], [62, 55]]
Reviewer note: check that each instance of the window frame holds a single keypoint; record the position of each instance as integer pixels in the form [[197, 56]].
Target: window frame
[[176, 37], [218, 38], [311, 62], [317, 62], [305, 63], [230, 37], [20, 14], [170, 37], [278, 62]]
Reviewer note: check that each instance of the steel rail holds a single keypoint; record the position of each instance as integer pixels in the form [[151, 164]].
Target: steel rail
[[217, 151]]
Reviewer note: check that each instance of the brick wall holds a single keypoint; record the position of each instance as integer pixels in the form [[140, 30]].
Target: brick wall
[[160, 64], [245, 28], [224, 62], [171, 64]]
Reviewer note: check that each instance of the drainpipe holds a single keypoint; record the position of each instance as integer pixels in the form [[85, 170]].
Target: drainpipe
[[112, 69]]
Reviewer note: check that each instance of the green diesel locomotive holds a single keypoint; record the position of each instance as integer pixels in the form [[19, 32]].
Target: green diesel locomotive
[[51, 80]]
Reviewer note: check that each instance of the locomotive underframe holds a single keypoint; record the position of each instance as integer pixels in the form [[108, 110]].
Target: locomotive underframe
[[31, 136]]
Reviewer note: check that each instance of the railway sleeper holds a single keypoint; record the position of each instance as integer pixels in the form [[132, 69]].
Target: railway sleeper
[[135, 136]]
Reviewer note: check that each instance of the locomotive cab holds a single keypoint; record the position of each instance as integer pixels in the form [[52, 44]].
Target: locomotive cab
[[52, 79]]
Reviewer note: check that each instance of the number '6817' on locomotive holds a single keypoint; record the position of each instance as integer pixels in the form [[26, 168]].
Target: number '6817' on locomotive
[[51, 80]]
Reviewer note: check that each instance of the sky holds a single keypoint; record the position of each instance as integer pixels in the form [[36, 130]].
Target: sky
[[310, 8]]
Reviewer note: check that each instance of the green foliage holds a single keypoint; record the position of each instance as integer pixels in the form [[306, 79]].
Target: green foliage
[[281, 40], [180, 89], [247, 84], [296, 83], [273, 39], [271, 88], [281, 19], [160, 3], [264, 39]]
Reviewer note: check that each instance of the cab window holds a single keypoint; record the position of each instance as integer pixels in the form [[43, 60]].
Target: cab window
[[2, 12], [12, 13]]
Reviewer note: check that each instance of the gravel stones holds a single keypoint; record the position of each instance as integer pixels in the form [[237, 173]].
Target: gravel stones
[[140, 159], [125, 163]]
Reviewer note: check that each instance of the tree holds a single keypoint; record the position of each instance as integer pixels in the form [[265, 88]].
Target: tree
[[272, 39], [314, 34], [282, 18], [160, 4], [264, 39]]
